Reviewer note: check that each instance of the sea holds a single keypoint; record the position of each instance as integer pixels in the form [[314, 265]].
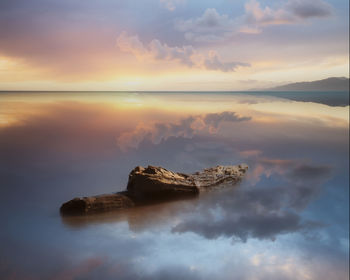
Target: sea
[[287, 219]]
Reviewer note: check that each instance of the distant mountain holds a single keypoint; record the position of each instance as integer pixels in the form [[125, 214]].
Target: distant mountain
[[332, 91], [329, 84]]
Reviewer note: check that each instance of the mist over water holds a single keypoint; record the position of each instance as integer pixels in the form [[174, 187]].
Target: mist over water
[[288, 219]]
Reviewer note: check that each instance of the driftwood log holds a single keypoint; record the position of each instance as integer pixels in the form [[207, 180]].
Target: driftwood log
[[150, 184]]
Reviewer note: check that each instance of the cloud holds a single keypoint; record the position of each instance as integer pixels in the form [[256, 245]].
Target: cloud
[[309, 8], [171, 4], [209, 27], [212, 26], [185, 55], [131, 44], [155, 49], [292, 12], [264, 16], [213, 62], [186, 128], [262, 212]]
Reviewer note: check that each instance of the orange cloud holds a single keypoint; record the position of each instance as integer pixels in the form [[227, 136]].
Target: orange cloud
[[186, 55]]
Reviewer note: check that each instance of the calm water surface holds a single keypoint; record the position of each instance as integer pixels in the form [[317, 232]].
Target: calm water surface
[[288, 219]]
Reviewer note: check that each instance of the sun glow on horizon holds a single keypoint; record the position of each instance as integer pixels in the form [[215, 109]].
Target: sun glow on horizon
[[226, 46]]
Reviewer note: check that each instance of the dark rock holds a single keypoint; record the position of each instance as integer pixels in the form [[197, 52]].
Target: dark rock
[[156, 182], [150, 184], [106, 202]]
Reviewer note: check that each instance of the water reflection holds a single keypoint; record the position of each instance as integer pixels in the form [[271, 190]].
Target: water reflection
[[138, 218], [287, 220], [268, 207], [259, 207]]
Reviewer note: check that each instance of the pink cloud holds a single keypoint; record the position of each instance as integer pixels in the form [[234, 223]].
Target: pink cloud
[[186, 128], [293, 11], [186, 55]]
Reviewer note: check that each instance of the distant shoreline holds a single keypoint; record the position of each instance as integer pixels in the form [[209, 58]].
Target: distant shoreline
[[180, 91], [330, 98]]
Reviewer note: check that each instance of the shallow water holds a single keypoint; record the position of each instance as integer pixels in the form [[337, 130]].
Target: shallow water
[[288, 219]]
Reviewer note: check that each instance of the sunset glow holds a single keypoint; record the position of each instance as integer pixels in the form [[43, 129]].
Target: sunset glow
[[174, 139], [170, 45]]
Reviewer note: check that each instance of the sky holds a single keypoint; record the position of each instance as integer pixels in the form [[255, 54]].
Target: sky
[[170, 45]]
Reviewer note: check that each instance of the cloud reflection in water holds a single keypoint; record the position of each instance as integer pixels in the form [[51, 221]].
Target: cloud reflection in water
[[284, 221]]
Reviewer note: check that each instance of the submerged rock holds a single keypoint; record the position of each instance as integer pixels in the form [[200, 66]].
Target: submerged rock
[[150, 184], [97, 203]]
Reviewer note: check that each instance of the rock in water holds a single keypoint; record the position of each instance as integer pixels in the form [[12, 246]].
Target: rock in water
[[156, 183], [97, 203]]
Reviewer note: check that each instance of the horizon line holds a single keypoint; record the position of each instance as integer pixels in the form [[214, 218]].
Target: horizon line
[[173, 91]]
